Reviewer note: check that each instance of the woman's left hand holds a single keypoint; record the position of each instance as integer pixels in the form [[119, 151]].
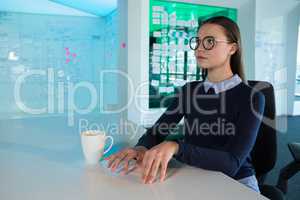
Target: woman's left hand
[[158, 156]]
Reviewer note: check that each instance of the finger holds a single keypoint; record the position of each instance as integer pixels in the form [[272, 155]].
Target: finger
[[144, 164], [117, 162], [147, 164], [126, 165], [114, 157], [125, 168], [163, 170], [111, 159], [154, 170]]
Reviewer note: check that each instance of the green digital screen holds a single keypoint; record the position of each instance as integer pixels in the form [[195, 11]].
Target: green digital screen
[[172, 63]]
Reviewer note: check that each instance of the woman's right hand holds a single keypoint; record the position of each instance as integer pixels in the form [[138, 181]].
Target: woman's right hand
[[125, 156]]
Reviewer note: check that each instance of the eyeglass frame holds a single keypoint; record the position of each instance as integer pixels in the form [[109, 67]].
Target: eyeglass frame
[[208, 49]]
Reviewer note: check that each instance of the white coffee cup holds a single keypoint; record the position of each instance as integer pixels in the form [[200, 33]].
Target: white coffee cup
[[93, 142]]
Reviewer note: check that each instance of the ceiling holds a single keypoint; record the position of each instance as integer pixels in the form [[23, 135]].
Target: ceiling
[[227, 3], [96, 7], [91, 8]]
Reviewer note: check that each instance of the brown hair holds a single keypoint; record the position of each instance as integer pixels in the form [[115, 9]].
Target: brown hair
[[232, 33]]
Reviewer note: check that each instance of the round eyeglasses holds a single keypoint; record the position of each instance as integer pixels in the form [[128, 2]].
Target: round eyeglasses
[[208, 42]]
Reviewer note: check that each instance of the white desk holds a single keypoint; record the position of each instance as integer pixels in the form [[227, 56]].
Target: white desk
[[49, 165]]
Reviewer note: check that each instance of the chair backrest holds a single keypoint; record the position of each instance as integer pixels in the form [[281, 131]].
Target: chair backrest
[[264, 153]]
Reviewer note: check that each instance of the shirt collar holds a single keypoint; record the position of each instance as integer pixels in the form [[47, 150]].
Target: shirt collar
[[222, 85]]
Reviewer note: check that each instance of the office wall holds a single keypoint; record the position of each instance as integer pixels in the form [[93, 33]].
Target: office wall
[[76, 49], [137, 62], [246, 22], [275, 49]]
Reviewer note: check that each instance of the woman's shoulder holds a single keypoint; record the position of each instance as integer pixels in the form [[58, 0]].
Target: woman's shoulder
[[250, 93]]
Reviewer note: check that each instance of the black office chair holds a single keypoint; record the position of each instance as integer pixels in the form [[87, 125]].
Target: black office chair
[[264, 153], [290, 169]]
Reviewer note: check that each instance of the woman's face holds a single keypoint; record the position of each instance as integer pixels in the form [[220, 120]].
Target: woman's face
[[220, 54]]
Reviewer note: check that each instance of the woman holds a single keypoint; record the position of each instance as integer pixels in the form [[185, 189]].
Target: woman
[[221, 114]]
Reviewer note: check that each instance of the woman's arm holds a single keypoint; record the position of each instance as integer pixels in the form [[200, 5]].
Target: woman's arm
[[167, 121], [240, 145]]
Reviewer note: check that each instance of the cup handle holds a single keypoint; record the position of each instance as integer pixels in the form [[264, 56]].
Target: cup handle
[[111, 144]]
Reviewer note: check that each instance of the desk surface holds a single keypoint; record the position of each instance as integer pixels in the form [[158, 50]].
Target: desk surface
[[50, 166]]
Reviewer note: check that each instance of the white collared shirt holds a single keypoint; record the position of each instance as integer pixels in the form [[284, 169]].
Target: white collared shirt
[[222, 85]]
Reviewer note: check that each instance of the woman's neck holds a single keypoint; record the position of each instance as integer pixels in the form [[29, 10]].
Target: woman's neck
[[219, 74]]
